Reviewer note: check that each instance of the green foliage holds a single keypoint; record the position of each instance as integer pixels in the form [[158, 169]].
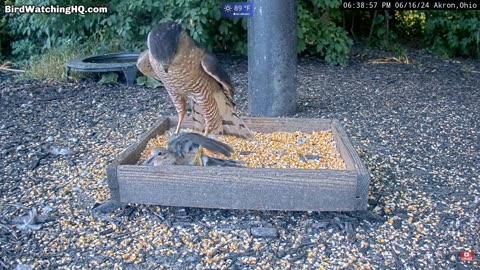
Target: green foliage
[[382, 34], [203, 21], [410, 23], [126, 25], [317, 32], [36, 33], [454, 33], [5, 37], [109, 78], [148, 82]]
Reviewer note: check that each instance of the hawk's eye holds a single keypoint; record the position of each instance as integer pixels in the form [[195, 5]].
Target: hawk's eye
[[159, 153]]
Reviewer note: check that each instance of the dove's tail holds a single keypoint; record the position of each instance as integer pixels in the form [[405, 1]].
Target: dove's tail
[[211, 161]]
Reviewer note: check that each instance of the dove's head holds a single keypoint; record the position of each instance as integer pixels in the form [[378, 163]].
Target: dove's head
[[157, 154]]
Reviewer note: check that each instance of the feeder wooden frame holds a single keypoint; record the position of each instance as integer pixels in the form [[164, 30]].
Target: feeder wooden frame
[[243, 188]]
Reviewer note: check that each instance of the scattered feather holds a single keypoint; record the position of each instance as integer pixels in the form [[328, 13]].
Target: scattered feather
[[27, 223], [60, 152]]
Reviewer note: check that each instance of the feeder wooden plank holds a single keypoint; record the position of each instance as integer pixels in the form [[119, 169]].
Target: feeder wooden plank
[[132, 155], [352, 162], [269, 125], [243, 188]]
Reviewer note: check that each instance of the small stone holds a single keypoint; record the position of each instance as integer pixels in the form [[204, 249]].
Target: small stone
[[264, 232], [245, 153], [70, 162], [302, 158], [312, 157], [301, 141], [397, 224], [23, 267], [50, 139], [62, 152], [107, 206], [320, 224], [102, 181], [84, 173], [47, 209]]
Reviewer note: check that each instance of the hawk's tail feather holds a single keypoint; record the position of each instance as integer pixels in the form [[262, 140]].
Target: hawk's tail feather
[[197, 117], [232, 124]]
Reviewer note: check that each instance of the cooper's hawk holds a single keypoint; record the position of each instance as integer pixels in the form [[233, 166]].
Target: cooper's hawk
[[182, 149], [188, 71]]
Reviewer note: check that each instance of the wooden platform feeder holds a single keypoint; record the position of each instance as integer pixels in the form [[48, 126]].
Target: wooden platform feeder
[[243, 188]]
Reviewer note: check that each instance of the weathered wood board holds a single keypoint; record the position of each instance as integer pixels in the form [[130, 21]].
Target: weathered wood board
[[244, 188]]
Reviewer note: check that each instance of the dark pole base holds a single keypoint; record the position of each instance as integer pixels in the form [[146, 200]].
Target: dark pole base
[[272, 58]]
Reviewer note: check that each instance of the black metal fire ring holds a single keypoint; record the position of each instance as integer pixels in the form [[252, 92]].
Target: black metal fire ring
[[124, 62]]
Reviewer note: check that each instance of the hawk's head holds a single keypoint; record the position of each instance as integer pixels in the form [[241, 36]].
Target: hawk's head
[[162, 41]]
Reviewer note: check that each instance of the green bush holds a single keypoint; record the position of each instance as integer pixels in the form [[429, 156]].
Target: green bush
[[5, 37], [381, 35], [317, 32], [125, 27], [36, 33], [410, 23], [453, 33], [127, 24]]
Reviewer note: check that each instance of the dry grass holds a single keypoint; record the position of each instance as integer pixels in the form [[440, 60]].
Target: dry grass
[[51, 65]]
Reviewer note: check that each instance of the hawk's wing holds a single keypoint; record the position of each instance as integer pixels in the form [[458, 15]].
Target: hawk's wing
[[231, 122], [212, 67]]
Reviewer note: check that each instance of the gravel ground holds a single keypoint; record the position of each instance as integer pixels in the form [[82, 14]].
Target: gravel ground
[[416, 127]]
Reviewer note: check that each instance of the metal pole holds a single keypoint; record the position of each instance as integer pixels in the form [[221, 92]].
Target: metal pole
[[272, 58]]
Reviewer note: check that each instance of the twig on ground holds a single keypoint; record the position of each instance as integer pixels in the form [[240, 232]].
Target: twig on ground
[[7, 67]]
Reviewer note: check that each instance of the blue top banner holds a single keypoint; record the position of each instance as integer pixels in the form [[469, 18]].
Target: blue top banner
[[237, 9]]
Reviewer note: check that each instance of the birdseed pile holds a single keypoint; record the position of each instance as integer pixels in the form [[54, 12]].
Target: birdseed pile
[[293, 150]]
